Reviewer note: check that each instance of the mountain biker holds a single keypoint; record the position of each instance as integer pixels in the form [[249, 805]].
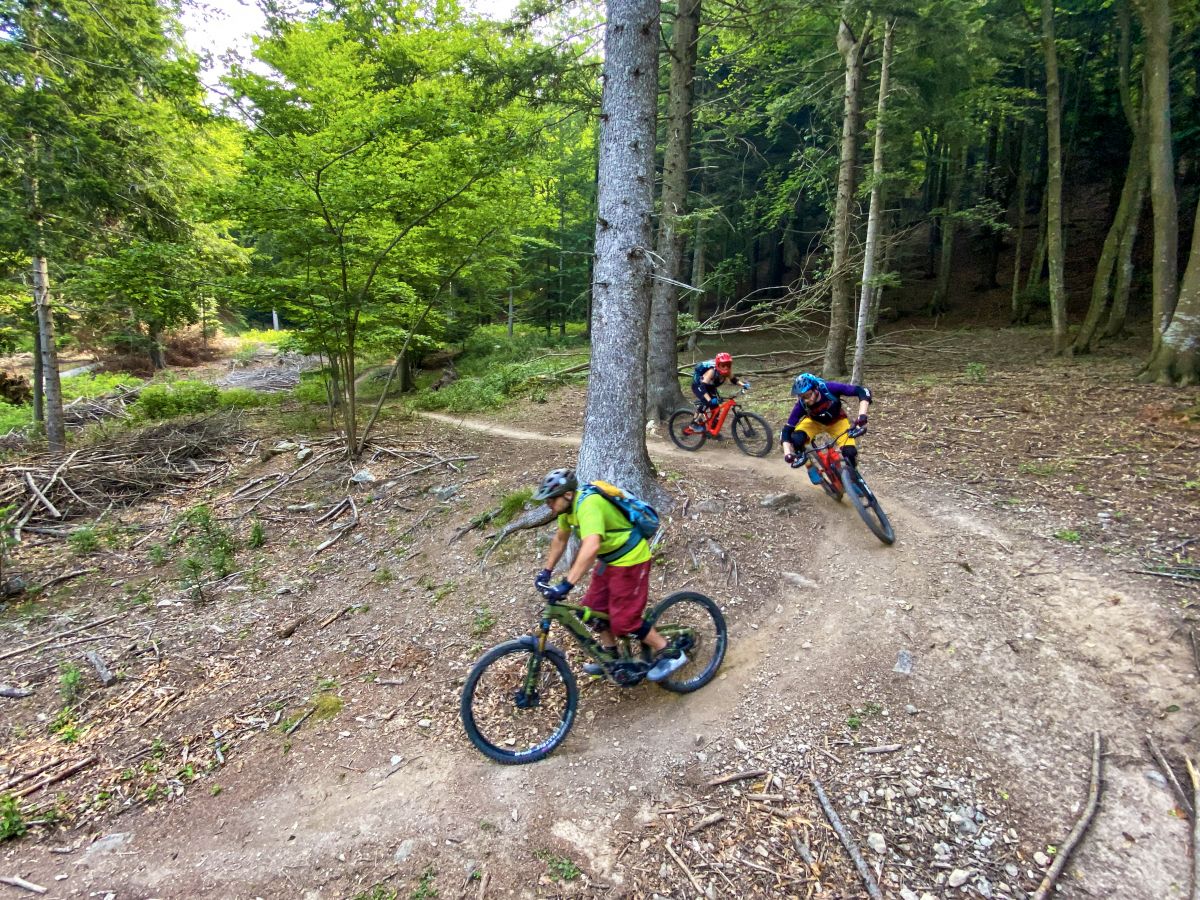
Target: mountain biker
[[707, 377], [818, 410], [620, 586]]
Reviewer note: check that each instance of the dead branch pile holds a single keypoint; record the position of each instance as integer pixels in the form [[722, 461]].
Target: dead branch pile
[[120, 472], [84, 411], [267, 380]]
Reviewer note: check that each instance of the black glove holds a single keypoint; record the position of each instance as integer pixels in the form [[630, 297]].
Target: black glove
[[861, 421], [556, 592], [797, 462], [542, 579], [789, 458]]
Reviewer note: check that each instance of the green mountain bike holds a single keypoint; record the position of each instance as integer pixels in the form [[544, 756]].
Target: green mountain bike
[[520, 699]]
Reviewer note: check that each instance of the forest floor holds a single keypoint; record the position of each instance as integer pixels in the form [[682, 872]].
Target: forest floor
[[1030, 497]]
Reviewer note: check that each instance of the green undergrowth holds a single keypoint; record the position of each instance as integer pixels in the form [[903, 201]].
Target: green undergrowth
[[89, 385]]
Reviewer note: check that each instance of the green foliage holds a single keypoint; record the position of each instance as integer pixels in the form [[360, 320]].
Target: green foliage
[[12, 824], [378, 892], [976, 372], [560, 868], [84, 540], [242, 398], [1070, 535], [211, 548], [511, 505], [326, 705], [167, 401], [258, 535], [483, 622], [157, 554], [96, 384], [70, 683], [425, 889]]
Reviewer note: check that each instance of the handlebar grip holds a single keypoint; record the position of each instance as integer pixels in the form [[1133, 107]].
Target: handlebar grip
[[857, 431]]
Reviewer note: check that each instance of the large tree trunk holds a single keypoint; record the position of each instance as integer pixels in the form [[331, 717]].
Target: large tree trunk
[[663, 395], [614, 437], [852, 50], [1156, 21], [875, 214], [697, 279], [1054, 225], [56, 430], [39, 401], [1128, 210], [1019, 309], [1120, 304], [1177, 360]]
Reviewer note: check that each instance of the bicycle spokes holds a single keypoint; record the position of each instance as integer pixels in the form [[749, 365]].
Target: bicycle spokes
[[519, 702]]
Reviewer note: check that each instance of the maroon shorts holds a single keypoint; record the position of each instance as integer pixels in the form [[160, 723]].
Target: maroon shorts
[[622, 592]]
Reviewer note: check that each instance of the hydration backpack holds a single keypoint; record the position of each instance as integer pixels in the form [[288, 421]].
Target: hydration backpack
[[643, 518], [701, 368]]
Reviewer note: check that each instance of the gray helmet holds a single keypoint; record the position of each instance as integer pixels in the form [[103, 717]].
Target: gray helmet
[[555, 484]]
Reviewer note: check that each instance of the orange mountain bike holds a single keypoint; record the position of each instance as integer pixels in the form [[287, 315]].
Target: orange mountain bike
[[839, 479], [751, 432]]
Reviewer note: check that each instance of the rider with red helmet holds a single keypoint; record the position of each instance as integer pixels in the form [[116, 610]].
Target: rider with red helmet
[[710, 375]]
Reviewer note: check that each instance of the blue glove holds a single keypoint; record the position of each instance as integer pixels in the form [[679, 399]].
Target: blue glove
[[556, 592], [542, 579], [745, 385], [714, 402]]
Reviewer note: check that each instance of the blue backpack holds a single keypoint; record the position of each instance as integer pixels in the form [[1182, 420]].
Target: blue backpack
[[643, 518], [701, 368]]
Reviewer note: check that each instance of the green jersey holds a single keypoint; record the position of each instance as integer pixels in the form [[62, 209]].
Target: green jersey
[[596, 515]]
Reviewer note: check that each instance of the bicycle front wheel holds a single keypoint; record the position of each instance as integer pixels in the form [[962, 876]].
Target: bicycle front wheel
[[686, 435], [694, 624], [517, 704], [752, 433], [867, 505]]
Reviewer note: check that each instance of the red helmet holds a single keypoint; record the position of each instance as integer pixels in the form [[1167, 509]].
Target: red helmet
[[724, 363]]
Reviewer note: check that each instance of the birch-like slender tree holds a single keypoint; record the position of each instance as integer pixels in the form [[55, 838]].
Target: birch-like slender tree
[[614, 437], [663, 395], [1054, 179], [852, 49], [875, 213]]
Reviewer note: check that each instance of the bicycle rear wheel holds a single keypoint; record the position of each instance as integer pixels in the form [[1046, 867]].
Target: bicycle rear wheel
[[694, 624], [752, 433], [866, 504], [503, 720], [683, 433]]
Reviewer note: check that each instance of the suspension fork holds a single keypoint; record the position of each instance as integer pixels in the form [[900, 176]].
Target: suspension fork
[[534, 667]]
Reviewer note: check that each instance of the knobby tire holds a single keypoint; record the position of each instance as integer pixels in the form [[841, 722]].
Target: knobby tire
[[867, 505], [681, 419], [551, 657], [704, 657], [752, 433]]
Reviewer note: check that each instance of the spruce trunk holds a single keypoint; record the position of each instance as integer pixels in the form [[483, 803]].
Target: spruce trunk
[[663, 395], [852, 50], [1054, 182], [874, 215], [941, 292], [56, 430], [614, 439]]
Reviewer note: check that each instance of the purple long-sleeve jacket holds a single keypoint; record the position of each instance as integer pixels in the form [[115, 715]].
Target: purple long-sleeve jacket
[[828, 409]]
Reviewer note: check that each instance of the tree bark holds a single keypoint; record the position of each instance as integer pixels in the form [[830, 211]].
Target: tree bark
[[697, 279], [510, 313], [663, 395], [941, 292], [1128, 210], [1054, 225], [1018, 303], [39, 401], [156, 352], [852, 50], [1177, 360], [1120, 304], [614, 437], [56, 430], [875, 213], [1156, 21]]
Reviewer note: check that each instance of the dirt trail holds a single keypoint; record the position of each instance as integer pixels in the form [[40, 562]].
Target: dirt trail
[[1022, 648]]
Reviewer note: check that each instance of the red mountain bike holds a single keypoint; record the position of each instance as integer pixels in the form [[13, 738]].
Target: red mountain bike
[[839, 479], [751, 432]]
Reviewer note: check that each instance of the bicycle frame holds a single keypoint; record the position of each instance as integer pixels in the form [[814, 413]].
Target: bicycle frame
[[714, 419]]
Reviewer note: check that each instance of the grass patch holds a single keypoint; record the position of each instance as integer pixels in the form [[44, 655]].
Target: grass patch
[[70, 683], [511, 505], [378, 892], [1070, 535], [12, 824], [84, 540], [560, 868], [326, 705], [485, 621], [425, 889]]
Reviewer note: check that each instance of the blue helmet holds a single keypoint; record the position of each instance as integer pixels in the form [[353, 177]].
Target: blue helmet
[[806, 382]]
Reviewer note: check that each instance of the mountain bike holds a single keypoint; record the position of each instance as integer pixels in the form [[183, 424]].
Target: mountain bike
[[839, 479], [519, 700], [750, 430]]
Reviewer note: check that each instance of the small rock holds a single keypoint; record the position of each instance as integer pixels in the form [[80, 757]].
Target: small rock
[[779, 501], [1041, 859], [740, 745], [797, 580], [303, 454], [959, 877], [907, 894], [1011, 871], [425, 723], [876, 842], [362, 476], [405, 850], [904, 663], [910, 709], [941, 849], [711, 506], [285, 447], [445, 492]]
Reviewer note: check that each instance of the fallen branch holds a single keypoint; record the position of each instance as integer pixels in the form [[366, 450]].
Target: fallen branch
[[66, 576], [21, 650], [1195, 776], [847, 840], [22, 883], [1185, 802], [300, 721], [102, 671], [706, 821], [333, 618], [1085, 819], [737, 776], [54, 779], [534, 518], [683, 867]]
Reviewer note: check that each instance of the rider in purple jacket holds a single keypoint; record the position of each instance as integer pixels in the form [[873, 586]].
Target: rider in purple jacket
[[818, 410]]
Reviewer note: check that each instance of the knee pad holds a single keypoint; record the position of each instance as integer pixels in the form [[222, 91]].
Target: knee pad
[[851, 454], [642, 630]]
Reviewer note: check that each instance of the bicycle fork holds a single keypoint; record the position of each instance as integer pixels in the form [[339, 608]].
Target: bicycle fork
[[527, 694]]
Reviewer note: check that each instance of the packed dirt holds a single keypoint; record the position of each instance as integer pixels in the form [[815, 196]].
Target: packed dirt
[[944, 691]]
